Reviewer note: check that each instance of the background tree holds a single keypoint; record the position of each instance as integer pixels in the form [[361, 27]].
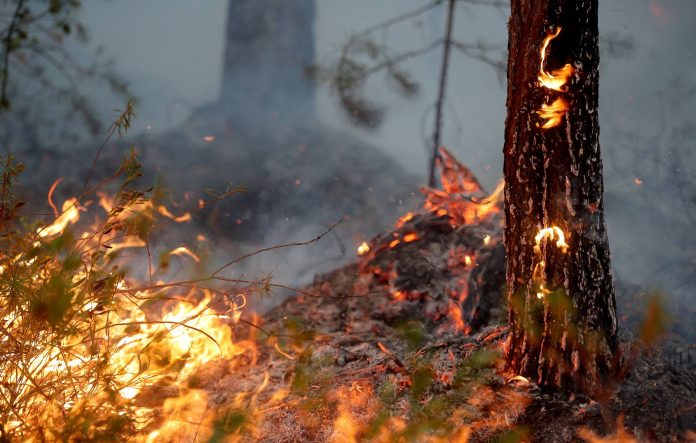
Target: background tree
[[362, 57], [268, 46], [562, 307]]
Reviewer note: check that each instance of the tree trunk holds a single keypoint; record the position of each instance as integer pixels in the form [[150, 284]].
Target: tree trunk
[[562, 306], [270, 44]]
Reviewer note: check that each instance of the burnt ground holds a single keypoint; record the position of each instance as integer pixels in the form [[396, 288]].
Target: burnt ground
[[406, 342], [378, 351]]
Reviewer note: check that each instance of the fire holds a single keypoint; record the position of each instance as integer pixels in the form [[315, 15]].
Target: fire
[[555, 80], [554, 232], [125, 339], [364, 248], [455, 314], [551, 233], [553, 113], [462, 208], [69, 215], [355, 403]]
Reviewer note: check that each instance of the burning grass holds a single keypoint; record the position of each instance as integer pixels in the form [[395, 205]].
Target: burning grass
[[93, 347]]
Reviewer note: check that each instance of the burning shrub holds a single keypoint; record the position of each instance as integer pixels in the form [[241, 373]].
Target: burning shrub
[[81, 338]]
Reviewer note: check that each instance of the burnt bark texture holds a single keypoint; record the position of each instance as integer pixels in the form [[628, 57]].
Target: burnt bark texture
[[566, 336], [270, 44]]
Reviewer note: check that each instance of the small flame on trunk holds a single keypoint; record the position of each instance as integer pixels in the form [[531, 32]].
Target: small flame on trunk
[[554, 80], [553, 113]]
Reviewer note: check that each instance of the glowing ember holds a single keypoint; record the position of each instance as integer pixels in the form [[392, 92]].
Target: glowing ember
[[486, 239], [404, 219], [208, 138], [410, 237], [363, 249]]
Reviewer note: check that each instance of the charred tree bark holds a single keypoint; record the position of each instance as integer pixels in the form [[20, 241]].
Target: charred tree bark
[[562, 306]]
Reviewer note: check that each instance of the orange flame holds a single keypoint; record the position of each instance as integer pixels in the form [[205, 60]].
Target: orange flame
[[553, 113], [551, 233], [143, 347], [555, 80], [70, 215]]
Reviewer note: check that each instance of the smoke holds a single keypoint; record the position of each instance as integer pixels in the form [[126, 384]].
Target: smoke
[[171, 52]]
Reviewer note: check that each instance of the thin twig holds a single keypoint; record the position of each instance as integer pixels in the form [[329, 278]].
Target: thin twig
[[437, 131]]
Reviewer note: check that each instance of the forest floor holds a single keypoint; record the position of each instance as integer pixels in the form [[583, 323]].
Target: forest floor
[[406, 344]]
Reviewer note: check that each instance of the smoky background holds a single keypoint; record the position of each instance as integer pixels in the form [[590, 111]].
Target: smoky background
[[171, 53]]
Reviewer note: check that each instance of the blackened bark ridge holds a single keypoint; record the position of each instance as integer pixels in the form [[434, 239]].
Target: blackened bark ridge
[[566, 339]]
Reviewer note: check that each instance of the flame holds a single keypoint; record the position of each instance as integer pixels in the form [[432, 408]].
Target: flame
[[462, 209], [69, 215], [182, 218], [486, 239], [183, 250], [137, 345], [455, 314], [555, 80], [364, 248], [354, 403], [551, 233], [553, 113]]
